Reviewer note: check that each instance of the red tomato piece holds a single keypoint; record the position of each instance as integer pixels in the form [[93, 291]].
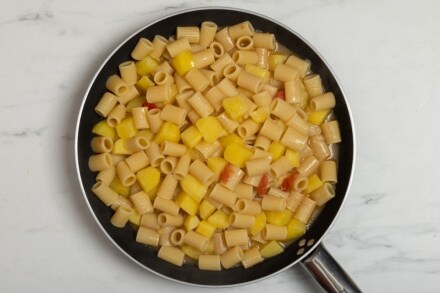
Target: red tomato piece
[[263, 185], [288, 182], [280, 95], [150, 106], [226, 173]]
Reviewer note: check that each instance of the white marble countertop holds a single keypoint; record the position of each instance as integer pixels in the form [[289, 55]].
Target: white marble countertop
[[386, 55]]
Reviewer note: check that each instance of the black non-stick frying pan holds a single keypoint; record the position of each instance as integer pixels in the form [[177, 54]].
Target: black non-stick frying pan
[[307, 250]]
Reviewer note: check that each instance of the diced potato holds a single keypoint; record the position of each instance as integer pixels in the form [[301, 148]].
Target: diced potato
[[117, 186], [210, 128], [119, 148], [146, 66], [191, 222], [275, 59], [206, 229], [235, 107], [260, 222], [219, 219], [191, 252], [135, 218], [318, 117], [143, 84], [277, 150], [126, 128], [262, 73], [187, 203], [271, 249], [148, 178], [183, 62], [191, 136], [167, 132], [228, 139], [295, 229], [193, 187], [148, 134], [294, 157], [237, 154], [216, 164], [103, 129], [206, 209], [279, 218], [135, 103], [260, 115], [314, 183]]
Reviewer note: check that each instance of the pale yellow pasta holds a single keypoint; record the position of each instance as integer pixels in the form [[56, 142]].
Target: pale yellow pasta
[[196, 240], [245, 57], [223, 37], [302, 65], [235, 177], [102, 144], [159, 46], [314, 130], [223, 195], [163, 78], [249, 82], [248, 206], [203, 58], [308, 166], [295, 92], [327, 171], [116, 159], [244, 43], [301, 183], [263, 58], [122, 201], [127, 70], [154, 155], [264, 40], [153, 117], [173, 114], [220, 246], [306, 151], [182, 87], [273, 203], [277, 192], [201, 172], [221, 63], [131, 93], [282, 109], [244, 191], [208, 30], [313, 85], [158, 94], [168, 164], [272, 90], [166, 205], [141, 202], [116, 115], [147, 236], [137, 161], [209, 262], [285, 73], [228, 124], [107, 102], [231, 71], [140, 117], [193, 116], [192, 33], [142, 49], [294, 139], [172, 149], [251, 106], [273, 232], [280, 167], [320, 149], [206, 150], [176, 237], [236, 237], [165, 67], [182, 167], [331, 132], [107, 175], [260, 154], [182, 99], [252, 180], [258, 166], [165, 219], [164, 238], [305, 210], [242, 220], [200, 105], [178, 46], [322, 102], [212, 76], [167, 187], [241, 29], [298, 122], [172, 255], [150, 221], [197, 80], [217, 49], [116, 85], [251, 257], [215, 96], [262, 142], [137, 143], [125, 174], [231, 257], [323, 194], [248, 128], [195, 48], [100, 162], [294, 200], [271, 130], [107, 195]]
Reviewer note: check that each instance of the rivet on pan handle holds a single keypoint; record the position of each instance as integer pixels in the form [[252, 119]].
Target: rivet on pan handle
[[330, 275]]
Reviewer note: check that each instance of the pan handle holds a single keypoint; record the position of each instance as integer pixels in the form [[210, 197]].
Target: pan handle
[[329, 274]]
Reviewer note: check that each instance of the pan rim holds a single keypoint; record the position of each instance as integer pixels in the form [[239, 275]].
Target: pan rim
[[349, 111]]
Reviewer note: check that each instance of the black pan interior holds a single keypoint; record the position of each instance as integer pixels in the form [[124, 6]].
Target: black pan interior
[[124, 238]]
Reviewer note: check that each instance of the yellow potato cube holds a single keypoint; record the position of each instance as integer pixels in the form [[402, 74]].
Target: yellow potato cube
[[183, 62], [135, 218], [262, 73], [103, 129], [314, 183], [143, 84], [235, 107], [295, 229], [153, 192], [148, 178], [193, 187], [210, 128], [148, 134], [119, 148], [279, 218], [318, 117], [219, 219], [126, 128], [294, 157], [117, 186], [191, 252], [167, 132], [277, 150], [237, 154], [191, 222], [146, 66], [186, 203], [206, 209], [216, 164], [271, 249], [260, 115], [206, 229], [211, 248], [275, 59], [191, 137], [135, 103], [260, 222], [228, 139]]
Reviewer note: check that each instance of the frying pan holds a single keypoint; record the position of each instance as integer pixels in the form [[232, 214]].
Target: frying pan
[[306, 250]]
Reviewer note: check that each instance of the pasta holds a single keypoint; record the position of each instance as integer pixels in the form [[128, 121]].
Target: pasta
[[212, 142]]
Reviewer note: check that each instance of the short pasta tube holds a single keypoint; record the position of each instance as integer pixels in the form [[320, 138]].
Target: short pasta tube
[[191, 33], [107, 195], [223, 37], [236, 237], [125, 174], [331, 132], [323, 194], [107, 102], [223, 195], [196, 240], [141, 202], [172, 255], [313, 85], [147, 236], [168, 187], [142, 49], [264, 40], [200, 171], [102, 144], [328, 171], [273, 203], [305, 210], [251, 257], [248, 206], [137, 161], [209, 262], [100, 162], [273, 232], [208, 30], [231, 257]]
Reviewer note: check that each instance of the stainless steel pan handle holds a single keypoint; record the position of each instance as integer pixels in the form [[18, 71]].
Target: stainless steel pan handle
[[329, 274]]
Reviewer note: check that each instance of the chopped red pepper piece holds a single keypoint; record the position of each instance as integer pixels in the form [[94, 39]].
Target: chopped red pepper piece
[[150, 106], [226, 173], [288, 182], [280, 94], [263, 185]]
